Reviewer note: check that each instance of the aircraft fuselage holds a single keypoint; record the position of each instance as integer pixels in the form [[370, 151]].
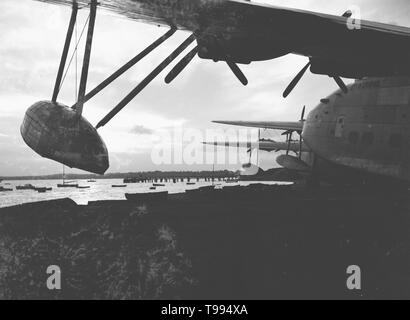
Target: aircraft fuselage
[[367, 129]]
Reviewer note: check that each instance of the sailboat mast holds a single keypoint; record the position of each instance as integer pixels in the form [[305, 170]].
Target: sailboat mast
[[63, 174]]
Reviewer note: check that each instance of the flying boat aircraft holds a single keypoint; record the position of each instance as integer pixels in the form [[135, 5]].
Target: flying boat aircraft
[[364, 126]]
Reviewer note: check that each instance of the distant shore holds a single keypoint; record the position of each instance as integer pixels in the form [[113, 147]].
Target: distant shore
[[276, 174], [118, 175]]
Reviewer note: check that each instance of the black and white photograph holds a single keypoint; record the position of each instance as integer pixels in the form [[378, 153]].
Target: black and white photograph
[[212, 152]]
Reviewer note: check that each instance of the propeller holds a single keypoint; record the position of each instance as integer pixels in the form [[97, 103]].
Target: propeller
[[181, 65], [237, 72], [302, 118], [232, 65], [341, 84], [296, 80], [302, 72]]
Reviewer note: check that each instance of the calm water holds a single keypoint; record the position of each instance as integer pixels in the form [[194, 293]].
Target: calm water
[[99, 190]]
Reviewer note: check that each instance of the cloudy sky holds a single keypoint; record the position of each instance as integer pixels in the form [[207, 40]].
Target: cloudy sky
[[31, 39]]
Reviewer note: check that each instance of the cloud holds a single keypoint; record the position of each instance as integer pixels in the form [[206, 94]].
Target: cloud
[[141, 130], [204, 91]]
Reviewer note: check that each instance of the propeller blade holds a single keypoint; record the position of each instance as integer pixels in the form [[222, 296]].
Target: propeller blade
[[287, 132], [238, 73], [341, 84], [296, 80], [302, 118], [181, 65]]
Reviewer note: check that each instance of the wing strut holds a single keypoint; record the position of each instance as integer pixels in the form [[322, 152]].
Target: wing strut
[[87, 55], [63, 60], [146, 81], [127, 66]]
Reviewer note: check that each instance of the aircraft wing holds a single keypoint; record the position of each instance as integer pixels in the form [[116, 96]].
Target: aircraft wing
[[276, 125], [244, 31]]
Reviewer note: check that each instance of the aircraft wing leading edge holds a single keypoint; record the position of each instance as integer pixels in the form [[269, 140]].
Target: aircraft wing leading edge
[[244, 31]]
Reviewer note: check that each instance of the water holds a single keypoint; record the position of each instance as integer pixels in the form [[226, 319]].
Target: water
[[99, 190]]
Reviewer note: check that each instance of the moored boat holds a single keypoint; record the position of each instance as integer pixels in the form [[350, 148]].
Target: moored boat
[[67, 185], [43, 189], [27, 186]]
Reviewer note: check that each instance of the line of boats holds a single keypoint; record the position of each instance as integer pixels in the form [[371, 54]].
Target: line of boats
[[74, 185], [29, 186]]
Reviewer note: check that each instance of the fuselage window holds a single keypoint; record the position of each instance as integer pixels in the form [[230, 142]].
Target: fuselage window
[[367, 138], [396, 141], [353, 137]]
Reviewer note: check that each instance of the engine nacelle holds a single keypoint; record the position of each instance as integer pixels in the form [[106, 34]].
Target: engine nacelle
[[56, 132]]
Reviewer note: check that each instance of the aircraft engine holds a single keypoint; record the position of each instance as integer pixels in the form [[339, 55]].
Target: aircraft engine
[[57, 132]]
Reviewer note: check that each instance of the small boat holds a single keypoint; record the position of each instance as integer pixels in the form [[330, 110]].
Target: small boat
[[155, 197], [26, 187], [83, 187], [91, 180], [118, 185], [190, 183], [158, 185], [43, 189], [2, 189], [153, 188], [67, 185], [232, 181], [206, 188]]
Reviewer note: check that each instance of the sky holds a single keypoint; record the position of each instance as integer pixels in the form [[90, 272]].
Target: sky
[[31, 40]]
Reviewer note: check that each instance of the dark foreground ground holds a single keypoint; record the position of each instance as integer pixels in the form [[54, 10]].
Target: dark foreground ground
[[264, 243]]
